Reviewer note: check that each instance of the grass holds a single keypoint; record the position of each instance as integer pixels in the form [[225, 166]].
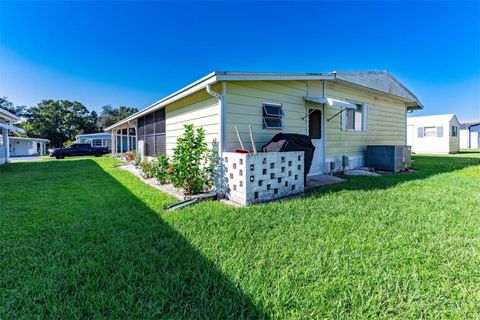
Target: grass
[[82, 239]]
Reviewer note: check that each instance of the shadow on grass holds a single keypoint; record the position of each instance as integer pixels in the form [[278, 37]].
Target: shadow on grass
[[85, 246], [424, 166]]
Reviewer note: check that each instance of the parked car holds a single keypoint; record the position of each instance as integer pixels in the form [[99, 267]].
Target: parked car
[[79, 149]]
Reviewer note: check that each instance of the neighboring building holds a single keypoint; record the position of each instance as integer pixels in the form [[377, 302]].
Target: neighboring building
[[25, 146], [6, 121], [103, 139], [470, 135], [342, 112], [434, 134]]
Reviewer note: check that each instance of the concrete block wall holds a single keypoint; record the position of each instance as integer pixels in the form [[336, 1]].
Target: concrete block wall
[[261, 177]]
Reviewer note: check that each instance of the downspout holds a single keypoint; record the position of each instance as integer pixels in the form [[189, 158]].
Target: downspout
[[324, 129], [220, 183], [221, 100]]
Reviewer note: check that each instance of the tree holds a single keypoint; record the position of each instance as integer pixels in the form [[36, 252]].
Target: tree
[[110, 115], [10, 107], [59, 120]]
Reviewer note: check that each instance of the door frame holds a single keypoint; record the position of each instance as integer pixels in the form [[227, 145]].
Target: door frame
[[320, 108]]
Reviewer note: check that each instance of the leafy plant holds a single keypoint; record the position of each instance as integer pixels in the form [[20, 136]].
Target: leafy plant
[[130, 156], [190, 158], [146, 169], [138, 160], [164, 169]]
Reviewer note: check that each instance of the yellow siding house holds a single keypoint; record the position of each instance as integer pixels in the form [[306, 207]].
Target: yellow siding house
[[342, 112]]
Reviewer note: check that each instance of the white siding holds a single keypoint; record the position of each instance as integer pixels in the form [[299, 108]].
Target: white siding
[[244, 108], [433, 145], [454, 142], [199, 109], [386, 124], [386, 117]]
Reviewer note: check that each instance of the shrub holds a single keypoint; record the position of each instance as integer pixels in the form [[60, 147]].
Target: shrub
[[146, 169], [163, 172], [130, 156], [138, 160], [190, 158]]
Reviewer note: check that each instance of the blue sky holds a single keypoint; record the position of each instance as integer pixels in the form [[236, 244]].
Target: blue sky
[[125, 53]]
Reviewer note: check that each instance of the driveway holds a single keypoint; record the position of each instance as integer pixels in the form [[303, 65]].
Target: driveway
[[22, 159]]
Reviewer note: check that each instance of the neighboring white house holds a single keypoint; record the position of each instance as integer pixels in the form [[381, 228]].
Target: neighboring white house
[[6, 120], [104, 139], [470, 135], [434, 134], [25, 146], [342, 112]]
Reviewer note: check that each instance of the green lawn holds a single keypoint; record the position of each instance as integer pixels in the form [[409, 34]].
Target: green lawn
[[82, 239]]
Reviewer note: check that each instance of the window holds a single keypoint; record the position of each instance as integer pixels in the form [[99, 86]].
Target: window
[[354, 119], [454, 131], [430, 131], [97, 142], [272, 116], [315, 124]]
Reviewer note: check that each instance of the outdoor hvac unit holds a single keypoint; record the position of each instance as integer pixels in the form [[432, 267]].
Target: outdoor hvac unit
[[388, 158]]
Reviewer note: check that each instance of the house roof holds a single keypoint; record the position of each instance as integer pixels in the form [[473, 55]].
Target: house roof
[[29, 139], [468, 125], [93, 135], [377, 81], [432, 118], [7, 115]]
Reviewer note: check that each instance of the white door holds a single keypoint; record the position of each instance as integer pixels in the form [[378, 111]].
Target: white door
[[315, 132]]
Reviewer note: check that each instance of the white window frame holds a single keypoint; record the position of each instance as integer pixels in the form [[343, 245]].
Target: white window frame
[[364, 117], [456, 131], [432, 133], [267, 115]]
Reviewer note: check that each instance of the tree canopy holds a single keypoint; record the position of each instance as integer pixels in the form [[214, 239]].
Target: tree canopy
[[10, 107], [110, 115], [61, 120]]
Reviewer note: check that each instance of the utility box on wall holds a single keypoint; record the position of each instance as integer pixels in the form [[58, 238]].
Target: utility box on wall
[[388, 158], [261, 177]]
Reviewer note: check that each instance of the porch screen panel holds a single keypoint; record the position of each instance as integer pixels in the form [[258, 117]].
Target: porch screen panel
[[149, 124], [150, 146], [151, 129], [141, 129]]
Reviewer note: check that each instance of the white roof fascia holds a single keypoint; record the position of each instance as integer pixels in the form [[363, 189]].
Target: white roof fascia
[[332, 102], [11, 128], [8, 115], [192, 88], [30, 139], [252, 76], [216, 77], [411, 104]]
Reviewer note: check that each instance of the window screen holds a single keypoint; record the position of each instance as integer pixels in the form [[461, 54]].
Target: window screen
[[151, 130], [454, 131], [430, 131], [353, 118], [272, 116], [315, 124], [149, 124]]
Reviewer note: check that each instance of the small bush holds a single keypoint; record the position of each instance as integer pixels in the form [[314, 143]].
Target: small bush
[[190, 160], [130, 156], [163, 173], [138, 160], [146, 169]]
